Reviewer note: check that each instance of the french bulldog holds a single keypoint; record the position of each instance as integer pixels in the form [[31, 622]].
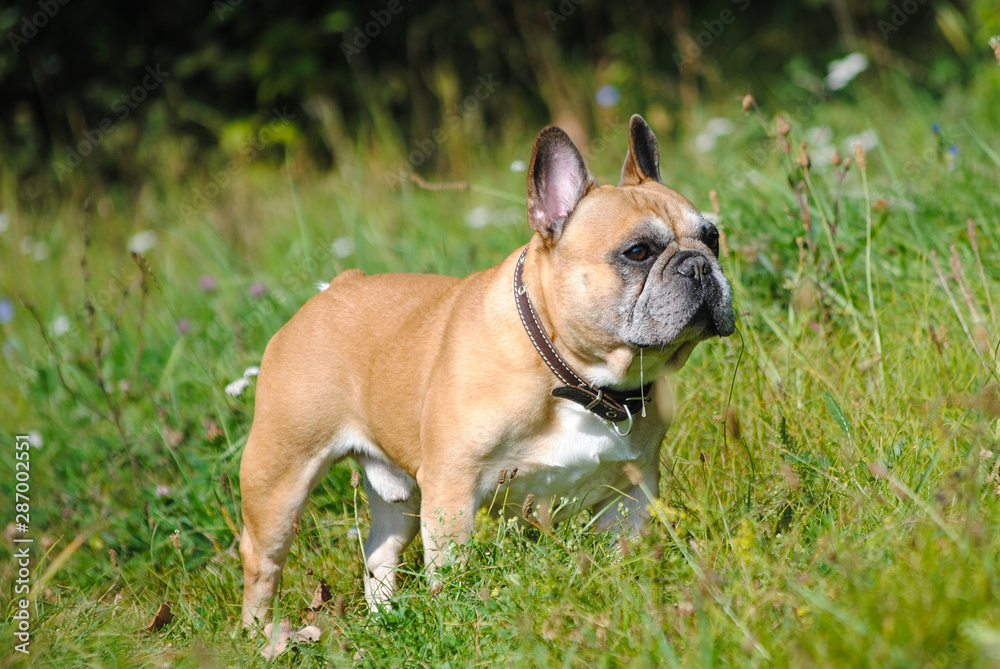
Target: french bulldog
[[541, 364]]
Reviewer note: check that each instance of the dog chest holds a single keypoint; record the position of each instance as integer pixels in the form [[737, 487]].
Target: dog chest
[[579, 453]]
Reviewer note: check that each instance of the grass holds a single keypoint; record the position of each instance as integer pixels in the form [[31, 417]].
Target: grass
[[830, 492]]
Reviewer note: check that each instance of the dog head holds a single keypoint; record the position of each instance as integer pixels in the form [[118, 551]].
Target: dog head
[[628, 268]]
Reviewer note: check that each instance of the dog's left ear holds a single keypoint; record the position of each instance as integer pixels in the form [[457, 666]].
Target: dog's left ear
[[642, 162]]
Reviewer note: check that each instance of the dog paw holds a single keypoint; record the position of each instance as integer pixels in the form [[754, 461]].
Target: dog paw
[[279, 642]]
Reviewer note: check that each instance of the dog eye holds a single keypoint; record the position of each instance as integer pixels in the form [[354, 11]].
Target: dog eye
[[638, 252], [711, 239]]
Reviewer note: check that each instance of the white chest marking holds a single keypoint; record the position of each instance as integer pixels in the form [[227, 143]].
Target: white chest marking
[[573, 457]]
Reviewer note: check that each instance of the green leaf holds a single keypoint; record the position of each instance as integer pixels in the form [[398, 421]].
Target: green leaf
[[837, 414]]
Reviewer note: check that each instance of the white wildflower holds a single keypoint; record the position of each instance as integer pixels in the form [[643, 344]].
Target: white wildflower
[[342, 247], [41, 251], [236, 388], [60, 326], [35, 439], [322, 285], [842, 72], [820, 135], [478, 217], [715, 128], [143, 241], [4, 222], [719, 126], [822, 156], [704, 143], [251, 371], [518, 166], [868, 140]]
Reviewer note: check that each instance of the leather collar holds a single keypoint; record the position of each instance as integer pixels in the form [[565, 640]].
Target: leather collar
[[610, 404]]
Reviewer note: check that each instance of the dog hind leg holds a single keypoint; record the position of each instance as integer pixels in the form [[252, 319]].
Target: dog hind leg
[[274, 491]]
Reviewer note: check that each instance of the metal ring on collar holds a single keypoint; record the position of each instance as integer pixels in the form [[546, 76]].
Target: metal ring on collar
[[629, 429]]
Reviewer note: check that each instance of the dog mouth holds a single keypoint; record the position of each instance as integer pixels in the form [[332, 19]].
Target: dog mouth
[[702, 319], [703, 324]]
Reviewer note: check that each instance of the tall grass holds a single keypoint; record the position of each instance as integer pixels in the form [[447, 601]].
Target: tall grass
[[829, 493]]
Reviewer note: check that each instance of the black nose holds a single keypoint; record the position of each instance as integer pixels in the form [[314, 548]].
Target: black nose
[[695, 266]]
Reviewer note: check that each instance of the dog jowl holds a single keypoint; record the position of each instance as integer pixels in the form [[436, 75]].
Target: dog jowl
[[544, 362]]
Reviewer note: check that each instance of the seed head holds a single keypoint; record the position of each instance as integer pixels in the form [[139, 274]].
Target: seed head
[[176, 539], [748, 103], [355, 478], [529, 506], [733, 423], [836, 160], [803, 158], [503, 476], [859, 158], [114, 558], [783, 126]]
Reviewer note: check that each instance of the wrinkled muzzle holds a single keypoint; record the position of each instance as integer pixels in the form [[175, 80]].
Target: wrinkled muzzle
[[686, 298]]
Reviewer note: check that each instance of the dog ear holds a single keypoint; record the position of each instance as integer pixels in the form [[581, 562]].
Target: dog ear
[[642, 162], [558, 179]]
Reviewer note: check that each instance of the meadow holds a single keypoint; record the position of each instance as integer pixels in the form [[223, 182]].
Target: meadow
[[830, 491]]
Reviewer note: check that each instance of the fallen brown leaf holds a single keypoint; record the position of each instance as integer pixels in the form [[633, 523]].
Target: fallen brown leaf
[[321, 596], [162, 617]]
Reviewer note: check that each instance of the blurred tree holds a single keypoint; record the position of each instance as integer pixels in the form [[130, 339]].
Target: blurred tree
[[393, 71]]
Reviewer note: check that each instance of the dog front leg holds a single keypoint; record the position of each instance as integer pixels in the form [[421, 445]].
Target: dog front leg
[[447, 513], [394, 524]]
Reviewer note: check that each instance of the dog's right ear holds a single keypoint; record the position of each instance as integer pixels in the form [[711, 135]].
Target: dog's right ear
[[558, 179]]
